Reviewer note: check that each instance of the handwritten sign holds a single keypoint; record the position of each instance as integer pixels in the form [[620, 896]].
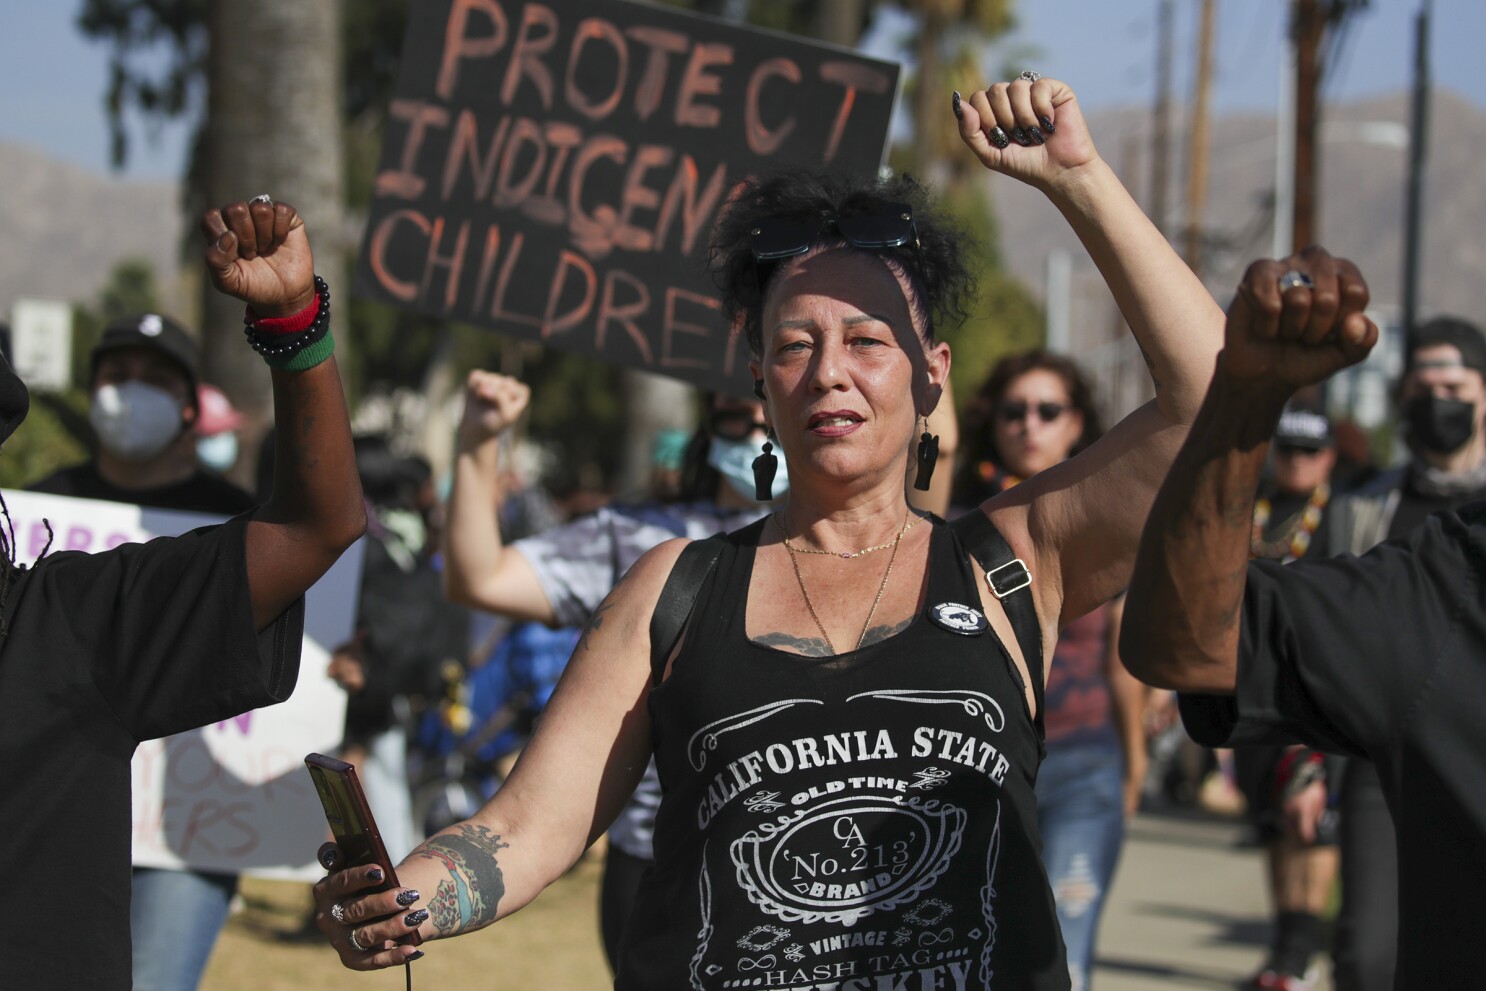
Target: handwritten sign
[[233, 796], [553, 170]]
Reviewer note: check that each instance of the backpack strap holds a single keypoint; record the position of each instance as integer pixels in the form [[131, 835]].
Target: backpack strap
[[1010, 582], [677, 598]]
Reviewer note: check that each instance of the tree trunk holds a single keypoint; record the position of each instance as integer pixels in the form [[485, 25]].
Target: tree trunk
[[273, 126]]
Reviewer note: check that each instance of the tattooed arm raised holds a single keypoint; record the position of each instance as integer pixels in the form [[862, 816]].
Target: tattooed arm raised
[[582, 763]]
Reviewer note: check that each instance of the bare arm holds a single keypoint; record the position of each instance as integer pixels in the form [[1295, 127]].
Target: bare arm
[[1182, 615], [260, 254], [480, 571], [585, 758], [1127, 708], [1079, 536]]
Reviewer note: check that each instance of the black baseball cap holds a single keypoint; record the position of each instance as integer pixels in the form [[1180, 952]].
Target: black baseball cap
[[154, 332], [1304, 427]]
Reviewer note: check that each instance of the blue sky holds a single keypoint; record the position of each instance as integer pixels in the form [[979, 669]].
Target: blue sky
[[52, 81]]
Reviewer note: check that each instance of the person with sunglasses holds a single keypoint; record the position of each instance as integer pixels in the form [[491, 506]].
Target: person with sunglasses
[[848, 725], [1034, 411]]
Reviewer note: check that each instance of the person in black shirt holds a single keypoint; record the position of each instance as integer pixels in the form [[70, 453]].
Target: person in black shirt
[[143, 408], [839, 806], [1381, 657], [1442, 399], [145, 404], [99, 652]]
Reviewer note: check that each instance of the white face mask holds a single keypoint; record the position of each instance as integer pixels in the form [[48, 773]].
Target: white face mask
[[733, 459], [135, 421], [218, 452]]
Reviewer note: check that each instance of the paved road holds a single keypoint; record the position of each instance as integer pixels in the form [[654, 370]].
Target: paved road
[[1188, 909]]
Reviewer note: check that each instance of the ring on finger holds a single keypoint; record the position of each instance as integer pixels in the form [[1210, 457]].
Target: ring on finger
[[1030, 75], [338, 913], [262, 198], [1295, 279], [355, 943]]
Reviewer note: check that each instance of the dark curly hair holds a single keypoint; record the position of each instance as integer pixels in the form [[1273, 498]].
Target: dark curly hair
[[937, 271], [983, 472]]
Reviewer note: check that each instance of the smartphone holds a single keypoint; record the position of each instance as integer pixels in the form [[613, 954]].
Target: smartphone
[[351, 822]]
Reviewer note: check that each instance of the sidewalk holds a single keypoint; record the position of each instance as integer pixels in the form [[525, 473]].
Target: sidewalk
[[1188, 909]]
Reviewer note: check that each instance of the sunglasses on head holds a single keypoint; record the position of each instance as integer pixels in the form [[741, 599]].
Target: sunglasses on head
[[1015, 411], [734, 424], [891, 225]]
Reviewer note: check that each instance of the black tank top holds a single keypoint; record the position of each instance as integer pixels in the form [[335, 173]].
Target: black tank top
[[863, 821]]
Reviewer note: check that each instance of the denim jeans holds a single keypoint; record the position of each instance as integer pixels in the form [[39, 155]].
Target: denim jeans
[[174, 918], [1080, 809]]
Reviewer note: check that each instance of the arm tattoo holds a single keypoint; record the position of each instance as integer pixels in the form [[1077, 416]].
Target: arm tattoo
[[805, 646], [470, 896], [597, 619]]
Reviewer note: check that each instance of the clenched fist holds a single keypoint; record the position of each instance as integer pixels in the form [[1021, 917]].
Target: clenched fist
[[259, 252]]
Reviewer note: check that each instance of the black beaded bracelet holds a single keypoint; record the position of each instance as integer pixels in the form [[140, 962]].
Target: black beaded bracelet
[[282, 346]]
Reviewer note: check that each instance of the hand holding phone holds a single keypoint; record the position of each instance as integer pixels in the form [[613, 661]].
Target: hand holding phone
[[352, 825]]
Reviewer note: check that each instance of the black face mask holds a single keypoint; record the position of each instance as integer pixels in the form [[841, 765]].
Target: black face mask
[[1440, 425]]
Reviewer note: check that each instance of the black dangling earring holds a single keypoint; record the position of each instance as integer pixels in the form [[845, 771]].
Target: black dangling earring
[[928, 455], [764, 467]]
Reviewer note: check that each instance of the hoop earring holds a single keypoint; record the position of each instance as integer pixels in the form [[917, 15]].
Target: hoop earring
[[927, 456], [764, 467]]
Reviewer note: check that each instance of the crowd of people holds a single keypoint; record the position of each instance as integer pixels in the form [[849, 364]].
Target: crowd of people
[[822, 728]]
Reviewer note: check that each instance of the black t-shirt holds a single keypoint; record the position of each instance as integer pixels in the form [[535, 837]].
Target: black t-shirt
[[103, 651], [201, 493], [1384, 657]]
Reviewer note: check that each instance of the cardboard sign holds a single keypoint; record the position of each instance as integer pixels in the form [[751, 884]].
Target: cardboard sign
[[233, 796], [553, 170]]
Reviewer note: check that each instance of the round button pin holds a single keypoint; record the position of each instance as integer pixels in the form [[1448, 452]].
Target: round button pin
[[967, 621]]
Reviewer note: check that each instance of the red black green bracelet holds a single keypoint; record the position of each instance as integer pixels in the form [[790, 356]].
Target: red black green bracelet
[[297, 342]]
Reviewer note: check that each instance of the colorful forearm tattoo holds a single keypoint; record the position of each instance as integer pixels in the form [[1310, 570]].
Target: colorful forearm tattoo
[[470, 896]]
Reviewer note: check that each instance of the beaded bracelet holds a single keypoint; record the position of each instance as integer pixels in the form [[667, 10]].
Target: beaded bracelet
[[287, 343]]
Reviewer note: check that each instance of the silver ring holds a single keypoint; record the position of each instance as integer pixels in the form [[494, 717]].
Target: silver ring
[[356, 945], [1295, 279], [1030, 75], [262, 198], [338, 913]]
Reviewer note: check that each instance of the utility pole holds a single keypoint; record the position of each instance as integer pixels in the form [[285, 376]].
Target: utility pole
[[1418, 149], [1197, 153], [1307, 28], [1161, 139]]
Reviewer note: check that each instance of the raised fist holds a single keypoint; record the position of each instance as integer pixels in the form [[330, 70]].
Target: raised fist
[[492, 402], [1029, 129], [258, 252], [1297, 322]]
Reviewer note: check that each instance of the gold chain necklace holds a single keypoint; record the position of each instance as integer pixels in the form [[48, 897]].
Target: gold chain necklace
[[908, 522]]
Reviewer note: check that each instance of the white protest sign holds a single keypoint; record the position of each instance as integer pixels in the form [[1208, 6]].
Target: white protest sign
[[41, 342], [234, 796]]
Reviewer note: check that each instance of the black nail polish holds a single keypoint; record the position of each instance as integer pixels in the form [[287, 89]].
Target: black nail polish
[[955, 102], [329, 859], [406, 898], [998, 137], [415, 955], [1047, 124], [1020, 137], [416, 917], [1035, 135], [375, 874]]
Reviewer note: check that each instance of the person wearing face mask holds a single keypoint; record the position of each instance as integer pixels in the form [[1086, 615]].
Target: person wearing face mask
[[145, 409], [1442, 401], [216, 429]]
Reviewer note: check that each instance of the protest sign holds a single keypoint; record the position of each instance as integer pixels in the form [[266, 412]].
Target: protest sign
[[234, 796], [553, 170]]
